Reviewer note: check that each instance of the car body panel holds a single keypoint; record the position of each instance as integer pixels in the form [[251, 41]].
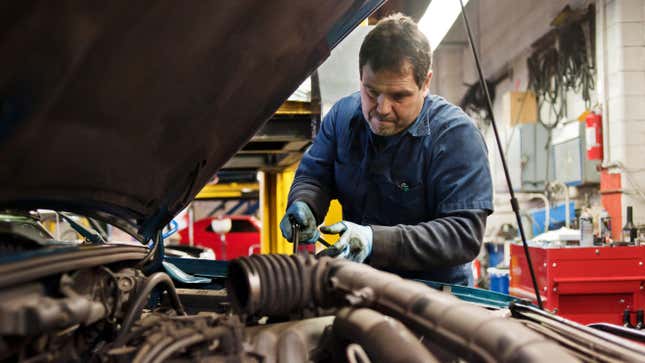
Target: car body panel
[[218, 270], [130, 108]]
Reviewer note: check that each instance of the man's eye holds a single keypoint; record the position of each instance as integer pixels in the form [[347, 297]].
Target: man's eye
[[371, 93]]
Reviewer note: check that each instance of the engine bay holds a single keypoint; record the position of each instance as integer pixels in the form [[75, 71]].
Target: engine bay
[[275, 308]]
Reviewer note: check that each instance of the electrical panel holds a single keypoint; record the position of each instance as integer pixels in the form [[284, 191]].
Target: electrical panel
[[568, 159], [570, 162], [533, 146]]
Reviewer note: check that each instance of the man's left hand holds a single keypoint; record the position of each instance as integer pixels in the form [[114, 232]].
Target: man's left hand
[[355, 243]]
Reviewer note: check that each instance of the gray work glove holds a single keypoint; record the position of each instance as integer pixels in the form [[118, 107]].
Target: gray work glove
[[355, 243], [300, 213]]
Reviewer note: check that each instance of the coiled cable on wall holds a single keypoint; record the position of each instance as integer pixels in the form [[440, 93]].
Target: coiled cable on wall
[[563, 61]]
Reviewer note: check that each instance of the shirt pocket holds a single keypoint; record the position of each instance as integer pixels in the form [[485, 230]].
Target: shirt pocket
[[403, 203]]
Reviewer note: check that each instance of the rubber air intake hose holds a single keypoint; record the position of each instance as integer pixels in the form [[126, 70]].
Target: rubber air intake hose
[[275, 284]]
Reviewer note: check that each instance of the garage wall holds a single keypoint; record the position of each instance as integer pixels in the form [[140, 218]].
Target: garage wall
[[504, 31], [509, 27], [448, 72], [622, 68]]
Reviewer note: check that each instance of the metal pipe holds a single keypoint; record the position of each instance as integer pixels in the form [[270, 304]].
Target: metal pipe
[[296, 342], [223, 334], [292, 341], [278, 284], [383, 338], [606, 347], [603, 77], [547, 209], [470, 331], [620, 331], [167, 350], [295, 235]]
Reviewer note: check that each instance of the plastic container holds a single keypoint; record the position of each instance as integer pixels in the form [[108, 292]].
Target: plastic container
[[499, 279], [586, 230], [495, 253]]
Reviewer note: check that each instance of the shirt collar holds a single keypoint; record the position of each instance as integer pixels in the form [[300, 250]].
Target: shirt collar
[[421, 126]]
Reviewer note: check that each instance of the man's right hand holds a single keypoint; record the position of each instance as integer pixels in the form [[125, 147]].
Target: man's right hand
[[299, 212]]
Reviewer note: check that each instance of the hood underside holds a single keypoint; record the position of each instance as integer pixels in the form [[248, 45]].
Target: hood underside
[[129, 108]]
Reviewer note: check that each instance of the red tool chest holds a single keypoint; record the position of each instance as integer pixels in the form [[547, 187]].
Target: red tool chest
[[584, 284]]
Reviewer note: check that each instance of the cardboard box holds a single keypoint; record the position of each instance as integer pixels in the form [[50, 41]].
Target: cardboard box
[[520, 107]]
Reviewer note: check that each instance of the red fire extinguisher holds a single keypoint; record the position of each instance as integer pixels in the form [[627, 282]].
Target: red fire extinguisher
[[593, 133]]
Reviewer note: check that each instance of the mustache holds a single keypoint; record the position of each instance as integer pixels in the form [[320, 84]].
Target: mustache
[[381, 118]]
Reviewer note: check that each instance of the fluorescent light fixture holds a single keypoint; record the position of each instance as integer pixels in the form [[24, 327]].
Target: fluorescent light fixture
[[438, 19]]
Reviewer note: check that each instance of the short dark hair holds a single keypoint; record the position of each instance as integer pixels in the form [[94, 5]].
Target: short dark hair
[[395, 39]]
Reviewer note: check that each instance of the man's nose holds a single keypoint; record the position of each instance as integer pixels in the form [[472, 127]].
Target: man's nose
[[383, 105]]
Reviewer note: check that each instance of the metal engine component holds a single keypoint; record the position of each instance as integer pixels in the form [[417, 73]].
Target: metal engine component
[[88, 296], [27, 310], [61, 318], [157, 337], [472, 332], [378, 334], [134, 310], [125, 316], [294, 341]]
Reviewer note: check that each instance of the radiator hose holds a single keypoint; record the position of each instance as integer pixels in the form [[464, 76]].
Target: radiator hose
[[281, 284]]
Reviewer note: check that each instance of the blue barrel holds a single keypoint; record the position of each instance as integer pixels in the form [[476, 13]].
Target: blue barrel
[[499, 279]]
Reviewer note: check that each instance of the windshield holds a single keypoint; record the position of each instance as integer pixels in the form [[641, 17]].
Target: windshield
[[48, 227]]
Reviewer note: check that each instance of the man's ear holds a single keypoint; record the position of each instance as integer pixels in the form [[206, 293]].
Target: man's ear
[[426, 84]]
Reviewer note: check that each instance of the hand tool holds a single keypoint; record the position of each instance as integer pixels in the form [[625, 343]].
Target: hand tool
[[325, 243], [295, 235]]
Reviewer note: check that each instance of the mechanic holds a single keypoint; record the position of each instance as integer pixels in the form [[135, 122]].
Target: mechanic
[[409, 169]]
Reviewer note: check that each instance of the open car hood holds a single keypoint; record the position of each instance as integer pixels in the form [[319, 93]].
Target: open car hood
[[126, 109]]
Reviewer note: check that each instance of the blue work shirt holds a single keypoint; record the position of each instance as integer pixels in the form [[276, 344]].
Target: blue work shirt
[[414, 188]]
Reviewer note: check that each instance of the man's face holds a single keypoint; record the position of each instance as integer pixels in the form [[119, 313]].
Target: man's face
[[391, 100]]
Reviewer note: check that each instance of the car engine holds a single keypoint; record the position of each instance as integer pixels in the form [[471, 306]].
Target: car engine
[[275, 308]]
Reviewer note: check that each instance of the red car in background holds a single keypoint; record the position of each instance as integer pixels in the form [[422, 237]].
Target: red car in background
[[242, 240]]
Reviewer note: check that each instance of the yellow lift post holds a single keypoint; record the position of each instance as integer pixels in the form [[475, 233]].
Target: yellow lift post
[[274, 190], [274, 183]]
